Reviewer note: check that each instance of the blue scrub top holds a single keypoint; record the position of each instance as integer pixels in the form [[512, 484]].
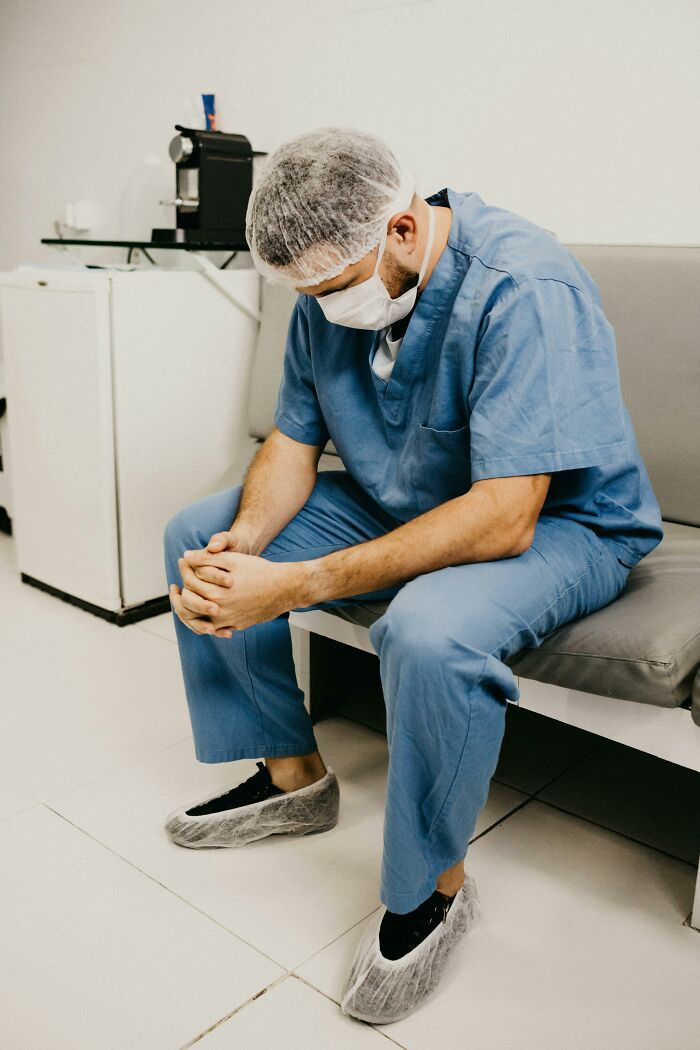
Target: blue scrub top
[[507, 367]]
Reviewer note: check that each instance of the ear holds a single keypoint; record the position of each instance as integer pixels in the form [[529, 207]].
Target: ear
[[404, 226]]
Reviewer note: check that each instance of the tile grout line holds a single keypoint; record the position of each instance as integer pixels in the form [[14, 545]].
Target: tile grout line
[[613, 831], [330, 998], [288, 972], [21, 812], [556, 776], [227, 1017], [630, 838], [532, 797], [167, 889], [86, 783], [153, 634], [120, 769], [587, 820], [501, 820], [336, 938], [567, 769], [258, 995]]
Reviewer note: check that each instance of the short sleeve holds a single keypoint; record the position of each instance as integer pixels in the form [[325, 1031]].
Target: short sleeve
[[298, 413], [546, 391]]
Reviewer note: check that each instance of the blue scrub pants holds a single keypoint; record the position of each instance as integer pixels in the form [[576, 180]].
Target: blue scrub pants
[[441, 645]]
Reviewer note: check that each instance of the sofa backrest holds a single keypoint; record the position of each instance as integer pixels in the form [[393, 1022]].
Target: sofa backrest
[[651, 296], [276, 304]]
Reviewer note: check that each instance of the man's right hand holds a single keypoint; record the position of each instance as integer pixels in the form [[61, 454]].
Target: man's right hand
[[197, 578], [236, 539], [233, 540], [280, 480]]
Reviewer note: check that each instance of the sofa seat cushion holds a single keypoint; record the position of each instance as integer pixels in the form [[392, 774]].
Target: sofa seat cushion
[[644, 646]]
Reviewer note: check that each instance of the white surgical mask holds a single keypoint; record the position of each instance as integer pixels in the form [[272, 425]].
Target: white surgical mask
[[368, 305]]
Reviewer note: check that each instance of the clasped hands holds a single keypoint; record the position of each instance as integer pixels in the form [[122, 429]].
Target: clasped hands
[[225, 588]]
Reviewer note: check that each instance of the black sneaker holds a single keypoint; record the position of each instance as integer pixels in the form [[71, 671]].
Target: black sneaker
[[254, 789], [400, 934]]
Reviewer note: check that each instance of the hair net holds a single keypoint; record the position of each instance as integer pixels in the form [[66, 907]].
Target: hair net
[[321, 203]]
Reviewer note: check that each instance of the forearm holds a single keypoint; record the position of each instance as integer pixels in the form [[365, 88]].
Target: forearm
[[470, 528], [276, 486]]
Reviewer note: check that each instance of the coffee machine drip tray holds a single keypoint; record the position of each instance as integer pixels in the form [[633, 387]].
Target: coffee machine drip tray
[[231, 240], [219, 245]]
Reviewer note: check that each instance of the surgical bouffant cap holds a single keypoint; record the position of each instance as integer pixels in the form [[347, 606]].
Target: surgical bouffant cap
[[322, 203]]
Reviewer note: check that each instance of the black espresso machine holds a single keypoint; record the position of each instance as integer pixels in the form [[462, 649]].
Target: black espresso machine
[[213, 182]]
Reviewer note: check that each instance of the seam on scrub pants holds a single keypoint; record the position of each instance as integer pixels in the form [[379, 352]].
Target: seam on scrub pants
[[252, 691], [560, 595], [235, 754], [461, 753], [494, 653]]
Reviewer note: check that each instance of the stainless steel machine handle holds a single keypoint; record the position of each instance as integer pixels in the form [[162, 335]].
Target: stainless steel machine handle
[[180, 148], [180, 203]]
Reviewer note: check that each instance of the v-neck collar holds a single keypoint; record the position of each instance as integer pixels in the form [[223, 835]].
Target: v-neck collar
[[394, 390]]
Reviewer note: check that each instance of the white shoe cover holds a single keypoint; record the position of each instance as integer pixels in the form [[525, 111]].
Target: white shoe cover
[[382, 990], [302, 812]]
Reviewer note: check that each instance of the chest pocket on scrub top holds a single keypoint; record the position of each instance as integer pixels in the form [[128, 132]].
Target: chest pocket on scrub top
[[442, 467]]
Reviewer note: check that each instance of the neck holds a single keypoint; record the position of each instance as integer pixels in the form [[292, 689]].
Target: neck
[[443, 221]]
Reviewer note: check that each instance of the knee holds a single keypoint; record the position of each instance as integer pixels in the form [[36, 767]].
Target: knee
[[193, 526], [411, 633], [425, 632], [178, 531]]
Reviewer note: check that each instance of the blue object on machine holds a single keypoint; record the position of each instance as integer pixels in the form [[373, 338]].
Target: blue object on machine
[[209, 103]]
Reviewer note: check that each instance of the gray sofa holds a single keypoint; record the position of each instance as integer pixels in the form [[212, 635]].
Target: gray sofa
[[614, 671]]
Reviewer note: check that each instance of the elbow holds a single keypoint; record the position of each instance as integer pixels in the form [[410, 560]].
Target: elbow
[[522, 541]]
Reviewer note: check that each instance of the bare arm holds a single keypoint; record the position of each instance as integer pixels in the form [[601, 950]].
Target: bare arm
[[231, 591], [495, 519], [276, 486]]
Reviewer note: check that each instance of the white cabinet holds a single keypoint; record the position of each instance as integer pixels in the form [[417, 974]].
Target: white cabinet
[[126, 400]]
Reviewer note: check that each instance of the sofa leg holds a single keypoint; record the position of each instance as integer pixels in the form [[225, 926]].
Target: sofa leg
[[345, 682], [695, 917]]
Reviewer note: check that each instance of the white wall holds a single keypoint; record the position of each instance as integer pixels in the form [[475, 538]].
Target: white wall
[[581, 116]]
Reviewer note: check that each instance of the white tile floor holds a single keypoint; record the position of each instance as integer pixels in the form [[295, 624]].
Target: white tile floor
[[115, 939]]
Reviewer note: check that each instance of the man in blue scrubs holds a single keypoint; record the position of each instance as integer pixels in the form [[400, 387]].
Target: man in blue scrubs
[[459, 358]]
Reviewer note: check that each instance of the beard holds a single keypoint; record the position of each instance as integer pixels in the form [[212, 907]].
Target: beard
[[399, 278]]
